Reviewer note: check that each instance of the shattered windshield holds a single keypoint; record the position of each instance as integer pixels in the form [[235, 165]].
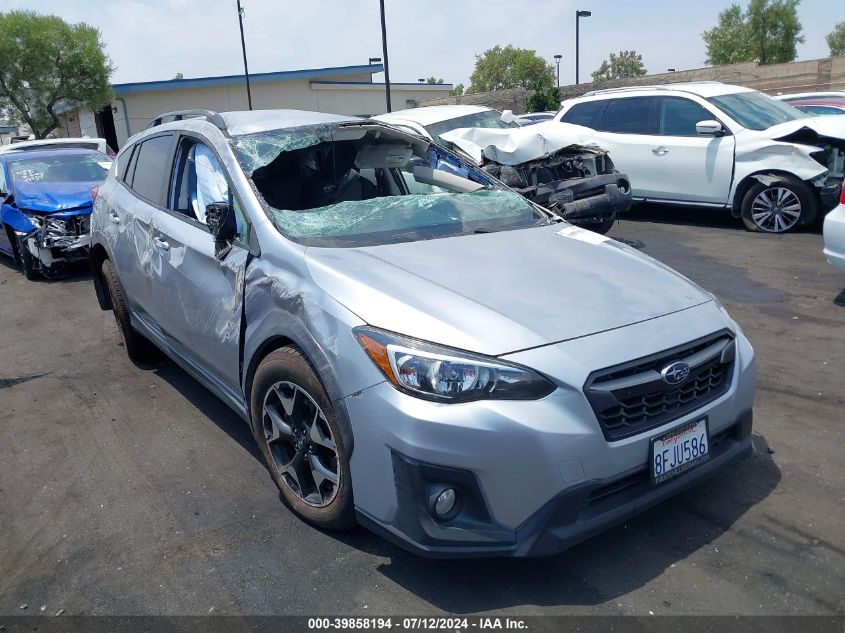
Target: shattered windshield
[[365, 185], [755, 110], [487, 119]]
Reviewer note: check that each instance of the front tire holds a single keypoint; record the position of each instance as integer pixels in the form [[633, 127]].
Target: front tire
[[300, 439], [27, 264], [138, 348], [778, 207]]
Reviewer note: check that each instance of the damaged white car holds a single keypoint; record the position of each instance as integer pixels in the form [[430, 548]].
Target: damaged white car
[[722, 146], [557, 167]]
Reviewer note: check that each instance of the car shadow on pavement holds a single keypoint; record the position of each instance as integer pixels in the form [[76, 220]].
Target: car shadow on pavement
[[712, 218], [599, 570], [206, 402], [77, 272]]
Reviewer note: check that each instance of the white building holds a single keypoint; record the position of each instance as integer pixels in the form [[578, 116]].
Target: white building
[[340, 90]]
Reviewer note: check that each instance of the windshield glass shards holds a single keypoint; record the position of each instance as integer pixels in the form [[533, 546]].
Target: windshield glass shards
[[367, 185]]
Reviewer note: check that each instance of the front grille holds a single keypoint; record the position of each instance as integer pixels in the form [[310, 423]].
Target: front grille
[[632, 398]]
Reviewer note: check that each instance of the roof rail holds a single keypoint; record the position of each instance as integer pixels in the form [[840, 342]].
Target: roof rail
[[678, 85], [209, 115]]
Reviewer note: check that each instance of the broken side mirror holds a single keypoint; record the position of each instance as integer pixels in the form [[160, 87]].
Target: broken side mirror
[[220, 219], [709, 128]]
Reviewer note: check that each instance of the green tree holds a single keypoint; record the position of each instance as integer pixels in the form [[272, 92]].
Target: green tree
[[501, 68], [46, 63], [457, 90], [836, 39], [625, 64], [432, 80], [543, 100], [767, 32]]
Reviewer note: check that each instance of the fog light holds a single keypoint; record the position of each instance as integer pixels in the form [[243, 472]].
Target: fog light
[[445, 502]]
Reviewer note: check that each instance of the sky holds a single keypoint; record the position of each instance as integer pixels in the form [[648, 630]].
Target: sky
[[151, 40]]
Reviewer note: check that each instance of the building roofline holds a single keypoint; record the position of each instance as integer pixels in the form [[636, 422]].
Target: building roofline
[[206, 82], [364, 85]]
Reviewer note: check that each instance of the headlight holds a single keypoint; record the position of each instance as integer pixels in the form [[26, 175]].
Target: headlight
[[36, 218], [444, 374]]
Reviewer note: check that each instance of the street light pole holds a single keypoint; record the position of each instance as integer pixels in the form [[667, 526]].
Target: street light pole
[[384, 53], [557, 61], [243, 48], [578, 16]]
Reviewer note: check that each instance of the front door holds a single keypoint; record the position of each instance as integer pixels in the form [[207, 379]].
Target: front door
[[693, 167]]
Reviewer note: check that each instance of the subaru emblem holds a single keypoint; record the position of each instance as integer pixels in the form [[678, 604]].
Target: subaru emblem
[[675, 374]]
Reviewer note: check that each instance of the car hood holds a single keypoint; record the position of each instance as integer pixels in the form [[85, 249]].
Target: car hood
[[514, 146], [501, 292], [803, 130], [53, 196]]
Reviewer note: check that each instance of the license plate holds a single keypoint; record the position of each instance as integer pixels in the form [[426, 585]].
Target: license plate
[[679, 450]]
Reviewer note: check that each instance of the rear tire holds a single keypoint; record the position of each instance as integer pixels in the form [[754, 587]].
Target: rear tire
[[27, 265], [301, 441], [138, 348], [779, 207]]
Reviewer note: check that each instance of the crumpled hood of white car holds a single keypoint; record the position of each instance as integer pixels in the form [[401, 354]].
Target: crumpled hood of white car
[[514, 146], [827, 126]]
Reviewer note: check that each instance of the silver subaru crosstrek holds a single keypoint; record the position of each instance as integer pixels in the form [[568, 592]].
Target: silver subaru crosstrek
[[416, 347]]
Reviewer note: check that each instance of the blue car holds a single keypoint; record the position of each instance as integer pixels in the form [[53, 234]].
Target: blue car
[[45, 207]]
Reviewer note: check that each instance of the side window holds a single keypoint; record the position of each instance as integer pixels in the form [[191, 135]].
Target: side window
[[152, 164], [200, 180], [587, 114], [630, 115], [678, 116], [3, 187]]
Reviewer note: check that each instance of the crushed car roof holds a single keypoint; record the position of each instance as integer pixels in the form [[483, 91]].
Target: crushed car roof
[[252, 121]]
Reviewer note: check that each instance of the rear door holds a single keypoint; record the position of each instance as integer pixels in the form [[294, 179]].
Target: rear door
[[693, 167], [627, 128], [132, 208], [199, 297]]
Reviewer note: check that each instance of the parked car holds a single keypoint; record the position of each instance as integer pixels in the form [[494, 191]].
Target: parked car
[[548, 165], [834, 234], [534, 117], [46, 207], [98, 144], [818, 105], [720, 146], [487, 378]]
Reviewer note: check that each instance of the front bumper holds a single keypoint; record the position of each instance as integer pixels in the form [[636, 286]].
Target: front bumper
[[571, 517], [49, 248], [585, 199], [531, 472]]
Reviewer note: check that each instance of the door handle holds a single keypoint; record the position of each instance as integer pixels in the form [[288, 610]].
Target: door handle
[[660, 151], [114, 217], [161, 244]]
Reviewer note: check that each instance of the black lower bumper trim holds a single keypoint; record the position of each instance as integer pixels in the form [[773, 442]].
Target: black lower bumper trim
[[574, 515]]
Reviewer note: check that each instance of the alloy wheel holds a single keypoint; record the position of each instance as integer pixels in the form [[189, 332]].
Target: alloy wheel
[[776, 210], [301, 443]]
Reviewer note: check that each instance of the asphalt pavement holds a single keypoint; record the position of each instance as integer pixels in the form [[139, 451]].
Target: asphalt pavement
[[127, 490]]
